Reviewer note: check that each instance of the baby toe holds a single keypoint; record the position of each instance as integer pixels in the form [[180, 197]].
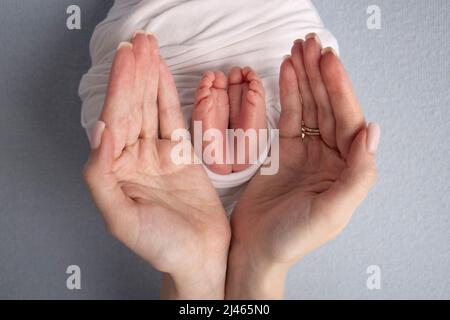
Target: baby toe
[[257, 87], [235, 76], [220, 81], [202, 94], [250, 74]]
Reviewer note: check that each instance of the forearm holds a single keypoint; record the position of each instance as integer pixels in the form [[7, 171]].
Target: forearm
[[253, 278]]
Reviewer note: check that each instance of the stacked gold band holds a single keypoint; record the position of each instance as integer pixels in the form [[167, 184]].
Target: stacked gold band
[[306, 131]]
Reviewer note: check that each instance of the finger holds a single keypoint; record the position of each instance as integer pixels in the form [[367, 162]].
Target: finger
[[309, 110], [312, 49], [150, 107], [344, 103], [115, 206], [170, 115], [141, 50], [337, 205], [291, 105], [119, 94]]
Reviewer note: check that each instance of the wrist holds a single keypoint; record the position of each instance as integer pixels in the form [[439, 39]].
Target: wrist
[[206, 282], [202, 276], [252, 277], [204, 289]]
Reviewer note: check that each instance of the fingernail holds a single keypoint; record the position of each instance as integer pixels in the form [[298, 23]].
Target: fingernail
[[124, 45], [298, 41], [152, 36], [329, 50], [286, 57], [373, 137], [96, 134], [136, 33], [313, 36]]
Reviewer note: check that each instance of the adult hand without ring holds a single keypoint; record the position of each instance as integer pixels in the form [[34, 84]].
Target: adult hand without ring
[[168, 214]]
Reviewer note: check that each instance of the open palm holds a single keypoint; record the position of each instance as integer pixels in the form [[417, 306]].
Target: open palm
[[168, 214], [321, 180]]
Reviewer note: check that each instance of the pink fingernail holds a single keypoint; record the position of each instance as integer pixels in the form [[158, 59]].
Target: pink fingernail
[[124, 44], [313, 36], [96, 134], [152, 36], [373, 137], [138, 33], [329, 50]]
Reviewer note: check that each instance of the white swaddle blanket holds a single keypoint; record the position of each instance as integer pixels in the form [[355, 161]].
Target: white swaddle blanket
[[201, 35]]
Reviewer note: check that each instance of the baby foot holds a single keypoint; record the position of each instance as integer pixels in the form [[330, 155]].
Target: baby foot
[[247, 111], [212, 108]]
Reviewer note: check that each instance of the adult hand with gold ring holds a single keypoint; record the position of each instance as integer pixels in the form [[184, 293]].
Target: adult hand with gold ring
[[322, 178], [168, 214]]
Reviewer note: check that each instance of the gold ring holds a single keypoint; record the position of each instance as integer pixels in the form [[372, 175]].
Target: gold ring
[[307, 131]]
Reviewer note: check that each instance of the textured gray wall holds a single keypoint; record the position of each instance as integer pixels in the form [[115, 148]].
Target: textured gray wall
[[47, 220]]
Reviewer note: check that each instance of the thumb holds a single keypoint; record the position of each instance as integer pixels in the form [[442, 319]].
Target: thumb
[[361, 173], [100, 159], [348, 192], [98, 173]]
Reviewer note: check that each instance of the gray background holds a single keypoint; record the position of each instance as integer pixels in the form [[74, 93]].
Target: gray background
[[47, 220]]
